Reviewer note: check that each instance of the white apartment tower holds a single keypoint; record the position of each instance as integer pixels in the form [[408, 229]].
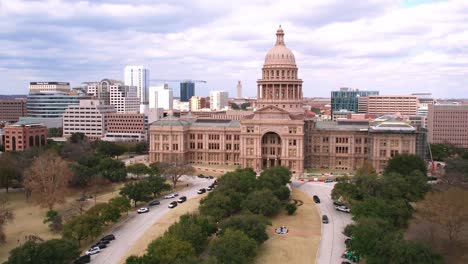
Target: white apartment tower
[[161, 97], [124, 98], [218, 100], [138, 76]]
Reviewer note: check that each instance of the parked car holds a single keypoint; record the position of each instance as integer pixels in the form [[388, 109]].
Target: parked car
[[153, 203], [343, 208], [336, 203], [201, 176], [182, 199], [209, 188], [108, 237], [210, 177], [325, 219], [171, 195], [99, 245], [104, 242], [202, 190], [328, 180], [316, 199], [175, 194], [82, 260], [143, 210], [92, 251], [172, 204], [347, 241]]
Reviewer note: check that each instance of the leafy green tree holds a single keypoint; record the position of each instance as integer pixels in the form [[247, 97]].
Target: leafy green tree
[[138, 169], [440, 151], [274, 177], [367, 185], [85, 169], [346, 191], [220, 204], [188, 229], [55, 251], [240, 180], [157, 185], [367, 235], [405, 164], [8, 172], [77, 137], [366, 169], [109, 149], [414, 252], [290, 208], [411, 187], [233, 247], [122, 203], [397, 211], [54, 219], [137, 191], [141, 147], [262, 202], [157, 168], [252, 225], [113, 170], [169, 249], [83, 227], [106, 212], [54, 132]]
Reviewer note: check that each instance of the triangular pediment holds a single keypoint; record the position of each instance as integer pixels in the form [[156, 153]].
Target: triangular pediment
[[271, 112]]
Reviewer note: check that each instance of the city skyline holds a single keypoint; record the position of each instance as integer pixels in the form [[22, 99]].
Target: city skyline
[[396, 47]]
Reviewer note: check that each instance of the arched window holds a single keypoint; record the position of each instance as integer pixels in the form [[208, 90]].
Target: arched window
[[31, 141], [42, 140], [36, 143]]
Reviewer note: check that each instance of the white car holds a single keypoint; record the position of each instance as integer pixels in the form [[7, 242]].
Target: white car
[[171, 195], [93, 250], [143, 210], [342, 208]]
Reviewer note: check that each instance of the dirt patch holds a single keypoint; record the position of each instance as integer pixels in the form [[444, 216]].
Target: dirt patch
[[158, 228], [302, 241]]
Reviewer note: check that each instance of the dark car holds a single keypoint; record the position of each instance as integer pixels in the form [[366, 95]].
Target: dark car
[[182, 199], [325, 219], [316, 199], [82, 260], [108, 237], [328, 180], [201, 176], [336, 203], [347, 241], [209, 188], [153, 203], [172, 204], [104, 242], [202, 190], [210, 177], [99, 245]]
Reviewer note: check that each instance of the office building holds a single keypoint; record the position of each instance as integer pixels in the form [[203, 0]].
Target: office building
[[187, 90], [239, 90], [161, 97], [424, 100], [197, 103], [406, 105], [24, 135], [124, 98], [348, 99], [125, 127], [88, 117], [181, 106], [448, 124], [12, 109], [139, 77], [218, 100], [40, 87]]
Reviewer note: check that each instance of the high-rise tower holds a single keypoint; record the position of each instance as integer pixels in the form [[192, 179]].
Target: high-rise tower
[[280, 85], [239, 90]]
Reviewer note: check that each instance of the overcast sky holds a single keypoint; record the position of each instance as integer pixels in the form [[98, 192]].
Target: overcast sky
[[396, 47]]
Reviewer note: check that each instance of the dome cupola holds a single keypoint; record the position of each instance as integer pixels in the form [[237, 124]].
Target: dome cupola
[[279, 55]]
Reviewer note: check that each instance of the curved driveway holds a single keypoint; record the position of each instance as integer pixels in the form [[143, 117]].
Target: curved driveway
[[332, 244], [132, 229]]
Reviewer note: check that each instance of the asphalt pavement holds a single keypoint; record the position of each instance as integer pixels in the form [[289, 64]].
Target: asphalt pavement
[[332, 243], [132, 229]]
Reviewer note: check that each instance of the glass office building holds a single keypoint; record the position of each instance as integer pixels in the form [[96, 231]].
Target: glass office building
[[187, 90], [347, 99], [50, 104]]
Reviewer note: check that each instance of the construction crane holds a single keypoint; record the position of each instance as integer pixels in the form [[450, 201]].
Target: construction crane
[[180, 81]]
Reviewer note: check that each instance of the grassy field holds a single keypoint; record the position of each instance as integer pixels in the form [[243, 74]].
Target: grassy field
[[300, 245], [325, 171]]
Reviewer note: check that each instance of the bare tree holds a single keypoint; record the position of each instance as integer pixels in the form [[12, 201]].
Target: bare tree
[[175, 169], [6, 215], [47, 178], [447, 209]]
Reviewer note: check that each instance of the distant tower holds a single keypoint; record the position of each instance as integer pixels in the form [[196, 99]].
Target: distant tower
[[239, 90]]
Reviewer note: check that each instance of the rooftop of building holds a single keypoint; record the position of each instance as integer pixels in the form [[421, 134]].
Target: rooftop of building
[[172, 121], [26, 122]]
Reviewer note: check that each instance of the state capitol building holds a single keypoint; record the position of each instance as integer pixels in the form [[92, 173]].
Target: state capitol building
[[279, 133]]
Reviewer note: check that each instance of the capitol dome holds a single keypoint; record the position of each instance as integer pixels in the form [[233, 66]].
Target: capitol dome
[[279, 54]]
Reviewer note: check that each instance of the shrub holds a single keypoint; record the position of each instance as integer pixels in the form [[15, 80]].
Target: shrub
[[291, 208]]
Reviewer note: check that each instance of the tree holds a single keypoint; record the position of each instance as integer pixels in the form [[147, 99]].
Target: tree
[[290, 208], [456, 171], [106, 212], [6, 215], [122, 203], [55, 251], [273, 177], [175, 170], [157, 185], [233, 247], [187, 229], [405, 164], [113, 170], [253, 225], [169, 249], [157, 168], [54, 219], [368, 233], [77, 137], [137, 191], [47, 178], [219, 204], [8, 172], [262, 202], [54, 132], [397, 211], [109, 149], [85, 169], [440, 151], [83, 227], [138, 169], [447, 209], [241, 181], [366, 169], [141, 147], [411, 187]]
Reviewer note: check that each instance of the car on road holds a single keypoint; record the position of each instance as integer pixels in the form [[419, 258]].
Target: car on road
[[182, 199], [143, 210], [336, 203], [316, 199], [328, 180], [171, 195], [172, 204], [201, 176], [325, 219], [209, 188], [153, 203], [108, 237], [92, 251], [347, 241], [82, 260], [201, 191], [103, 242], [343, 208], [99, 245], [210, 177]]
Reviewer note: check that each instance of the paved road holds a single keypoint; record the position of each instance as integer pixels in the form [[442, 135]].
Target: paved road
[[135, 226], [332, 243]]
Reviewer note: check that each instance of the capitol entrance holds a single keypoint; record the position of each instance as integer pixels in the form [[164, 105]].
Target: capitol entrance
[[271, 150]]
